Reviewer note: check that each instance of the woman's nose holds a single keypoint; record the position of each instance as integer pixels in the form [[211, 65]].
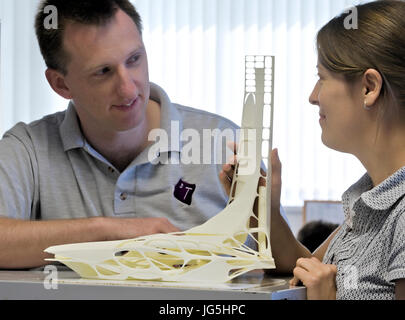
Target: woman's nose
[[313, 98]]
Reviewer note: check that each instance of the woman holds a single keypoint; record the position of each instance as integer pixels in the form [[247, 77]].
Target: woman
[[361, 98]]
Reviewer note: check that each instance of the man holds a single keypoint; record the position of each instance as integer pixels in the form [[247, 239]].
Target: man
[[68, 177]]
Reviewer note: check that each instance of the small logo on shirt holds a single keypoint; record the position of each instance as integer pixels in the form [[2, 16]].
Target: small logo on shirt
[[183, 191]]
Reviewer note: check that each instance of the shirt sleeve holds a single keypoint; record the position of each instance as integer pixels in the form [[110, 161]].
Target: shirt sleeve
[[396, 266], [16, 177]]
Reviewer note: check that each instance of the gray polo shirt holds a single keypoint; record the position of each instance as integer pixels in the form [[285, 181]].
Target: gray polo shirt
[[49, 171], [369, 249]]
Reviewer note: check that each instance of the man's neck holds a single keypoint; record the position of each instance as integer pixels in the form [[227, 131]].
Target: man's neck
[[121, 148]]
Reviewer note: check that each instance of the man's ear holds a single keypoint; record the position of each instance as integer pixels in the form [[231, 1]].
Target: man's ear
[[57, 81], [372, 84]]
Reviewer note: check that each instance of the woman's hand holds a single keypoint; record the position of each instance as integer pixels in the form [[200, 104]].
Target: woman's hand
[[318, 278], [226, 176]]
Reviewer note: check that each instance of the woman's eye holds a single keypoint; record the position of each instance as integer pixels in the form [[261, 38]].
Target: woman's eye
[[320, 78]]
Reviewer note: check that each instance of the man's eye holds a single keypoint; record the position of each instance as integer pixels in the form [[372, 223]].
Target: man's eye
[[133, 59], [103, 71]]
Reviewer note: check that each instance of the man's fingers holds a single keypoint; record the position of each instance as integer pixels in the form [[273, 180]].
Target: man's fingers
[[160, 225]]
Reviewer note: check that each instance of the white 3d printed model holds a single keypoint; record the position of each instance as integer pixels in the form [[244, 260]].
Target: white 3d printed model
[[216, 251]]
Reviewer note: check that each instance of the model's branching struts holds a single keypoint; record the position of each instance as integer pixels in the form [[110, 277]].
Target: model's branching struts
[[233, 242]]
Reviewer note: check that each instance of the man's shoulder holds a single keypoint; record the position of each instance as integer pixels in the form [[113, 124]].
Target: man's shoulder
[[47, 123], [46, 126], [197, 118], [190, 117]]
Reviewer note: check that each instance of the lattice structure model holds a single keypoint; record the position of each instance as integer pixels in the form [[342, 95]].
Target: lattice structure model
[[218, 250]]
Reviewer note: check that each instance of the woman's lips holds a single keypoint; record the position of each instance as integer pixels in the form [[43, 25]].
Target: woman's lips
[[322, 118]]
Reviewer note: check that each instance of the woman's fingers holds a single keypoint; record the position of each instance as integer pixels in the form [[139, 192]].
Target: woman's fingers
[[275, 179], [308, 263], [295, 282], [225, 181], [304, 270], [300, 275], [226, 175], [233, 146], [319, 278]]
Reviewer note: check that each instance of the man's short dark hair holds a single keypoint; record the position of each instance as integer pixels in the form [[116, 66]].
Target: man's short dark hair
[[88, 12]]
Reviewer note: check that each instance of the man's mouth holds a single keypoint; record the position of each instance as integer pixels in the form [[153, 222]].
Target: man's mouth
[[125, 107]]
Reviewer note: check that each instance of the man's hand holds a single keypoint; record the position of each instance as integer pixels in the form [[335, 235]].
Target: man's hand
[[121, 229], [319, 278], [16, 234]]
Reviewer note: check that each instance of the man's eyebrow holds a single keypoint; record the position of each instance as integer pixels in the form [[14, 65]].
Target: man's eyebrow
[[138, 50]]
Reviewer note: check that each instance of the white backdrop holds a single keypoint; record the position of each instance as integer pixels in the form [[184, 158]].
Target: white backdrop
[[196, 50]]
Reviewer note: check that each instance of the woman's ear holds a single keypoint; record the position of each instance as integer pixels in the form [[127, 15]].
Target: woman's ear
[[372, 84], [57, 81]]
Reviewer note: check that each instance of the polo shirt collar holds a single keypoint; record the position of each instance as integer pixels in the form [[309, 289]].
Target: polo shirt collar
[[170, 121], [70, 132], [72, 136]]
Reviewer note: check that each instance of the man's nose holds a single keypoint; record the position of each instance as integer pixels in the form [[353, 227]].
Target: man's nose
[[126, 86]]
